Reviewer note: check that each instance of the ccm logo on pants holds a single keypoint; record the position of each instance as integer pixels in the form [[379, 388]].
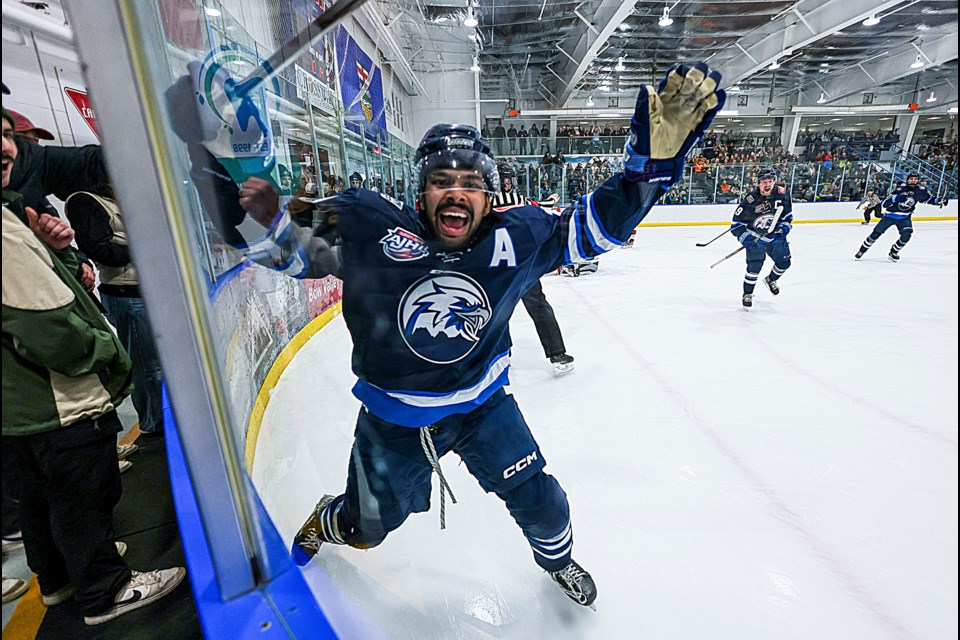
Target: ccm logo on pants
[[520, 465]]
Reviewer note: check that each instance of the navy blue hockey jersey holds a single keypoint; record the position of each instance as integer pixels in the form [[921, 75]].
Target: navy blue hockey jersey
[[902, 202], [430, 327], [757, 214]]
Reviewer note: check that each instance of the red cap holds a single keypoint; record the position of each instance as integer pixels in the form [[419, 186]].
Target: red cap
[[22, 124]]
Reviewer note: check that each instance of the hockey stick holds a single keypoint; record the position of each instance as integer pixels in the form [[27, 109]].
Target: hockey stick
[[290, 50], [722, 233], [729, 255]]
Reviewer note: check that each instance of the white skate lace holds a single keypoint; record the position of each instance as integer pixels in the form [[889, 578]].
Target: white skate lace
[[430, 451], [569, 578]]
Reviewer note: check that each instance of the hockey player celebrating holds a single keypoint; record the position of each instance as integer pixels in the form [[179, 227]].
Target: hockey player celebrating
[[899, 206], [761, 224], [427, 297]]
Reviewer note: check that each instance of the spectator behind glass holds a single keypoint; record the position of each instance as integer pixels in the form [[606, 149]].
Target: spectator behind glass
[[64, 374], [100, 233]]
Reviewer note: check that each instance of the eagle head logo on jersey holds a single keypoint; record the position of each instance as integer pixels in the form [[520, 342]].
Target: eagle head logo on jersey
[[403, 246], [441, 316], [763, 223], [906, 202]]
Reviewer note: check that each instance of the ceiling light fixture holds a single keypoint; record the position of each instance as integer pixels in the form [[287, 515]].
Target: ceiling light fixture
[[665, 20], [589, 101], [918, 63], [822, 99], [932, 97], [471, 19], [774, 65], [212, 12], [619, 66], [475, 67], [871, 21]]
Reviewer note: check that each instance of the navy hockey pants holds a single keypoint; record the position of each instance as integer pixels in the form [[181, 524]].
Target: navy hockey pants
[[903, 225], [389, 477], [779, 252]]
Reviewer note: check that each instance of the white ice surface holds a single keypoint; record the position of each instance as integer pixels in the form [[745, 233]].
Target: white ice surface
[[787, 473]]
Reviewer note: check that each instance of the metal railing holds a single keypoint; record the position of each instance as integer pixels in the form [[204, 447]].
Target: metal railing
[[726, 183]]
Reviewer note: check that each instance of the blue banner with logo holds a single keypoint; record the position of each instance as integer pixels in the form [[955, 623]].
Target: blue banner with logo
[[361, 88]]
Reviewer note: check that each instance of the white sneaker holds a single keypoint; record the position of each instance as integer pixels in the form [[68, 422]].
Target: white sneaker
[[144, 588], [13, 588], [125, 465], [65, 593], [12, 542], [124, 451]]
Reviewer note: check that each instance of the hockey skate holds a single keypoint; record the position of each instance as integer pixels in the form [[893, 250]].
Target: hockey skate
[[772, 285], [577, 584], [858, 255], [589, 266], [562, 363], [893, 256], [307, 542], [569, 270], [747, 301]]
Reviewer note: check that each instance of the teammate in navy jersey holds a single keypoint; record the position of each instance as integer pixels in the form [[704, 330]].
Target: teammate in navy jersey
[[427, 296], [761, 224], [899, 205]]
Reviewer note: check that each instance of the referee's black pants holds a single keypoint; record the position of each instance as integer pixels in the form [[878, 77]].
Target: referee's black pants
[[544, 320]]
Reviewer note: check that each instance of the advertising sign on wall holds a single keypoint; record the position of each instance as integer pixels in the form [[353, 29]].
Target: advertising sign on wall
[[79, 99]]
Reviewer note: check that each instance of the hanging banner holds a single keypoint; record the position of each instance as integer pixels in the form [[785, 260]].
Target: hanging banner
[[361, 88], [81, 101]]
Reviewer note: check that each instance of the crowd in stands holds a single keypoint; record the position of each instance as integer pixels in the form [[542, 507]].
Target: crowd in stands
[[829, 169], [940, 154]]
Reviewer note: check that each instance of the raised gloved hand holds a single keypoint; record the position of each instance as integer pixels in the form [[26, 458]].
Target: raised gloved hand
[[783, 229], [667, 123]]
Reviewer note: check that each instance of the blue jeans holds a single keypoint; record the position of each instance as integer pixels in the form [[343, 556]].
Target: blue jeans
[[129, 317]]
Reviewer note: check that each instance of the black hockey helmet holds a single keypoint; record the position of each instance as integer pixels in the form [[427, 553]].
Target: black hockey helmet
[[767, 173], [455, 146]]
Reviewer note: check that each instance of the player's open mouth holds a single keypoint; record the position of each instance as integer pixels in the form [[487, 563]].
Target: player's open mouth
[[453, 222], [7, 162]]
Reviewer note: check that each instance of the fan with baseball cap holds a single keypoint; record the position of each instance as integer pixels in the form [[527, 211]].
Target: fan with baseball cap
[[23, 126]]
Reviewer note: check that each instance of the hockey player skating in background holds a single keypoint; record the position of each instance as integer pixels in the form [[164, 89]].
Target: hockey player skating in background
[[534, 300], [761, 224], [427, 297], [900, 206], [871, 206]]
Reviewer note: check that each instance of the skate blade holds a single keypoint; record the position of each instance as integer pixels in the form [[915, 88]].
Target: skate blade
[[300, 556], [560, 369]]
